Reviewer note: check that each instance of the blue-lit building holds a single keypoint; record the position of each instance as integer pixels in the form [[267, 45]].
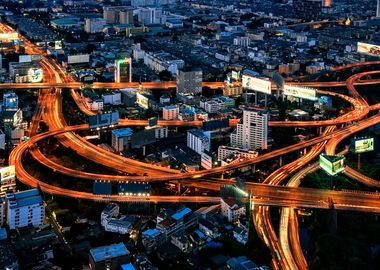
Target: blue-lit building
[[10, 101], [121, 139], [25, 208], [109, 257]]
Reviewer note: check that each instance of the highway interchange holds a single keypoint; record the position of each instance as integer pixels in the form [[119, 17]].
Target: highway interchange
[[286, 249]]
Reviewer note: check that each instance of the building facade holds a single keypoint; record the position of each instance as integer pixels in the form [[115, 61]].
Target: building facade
[[25, 208], [252, 132]]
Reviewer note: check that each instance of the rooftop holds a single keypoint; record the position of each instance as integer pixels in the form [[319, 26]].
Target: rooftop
[[181, 213], [108, 252], [25, 198], [124, 132]]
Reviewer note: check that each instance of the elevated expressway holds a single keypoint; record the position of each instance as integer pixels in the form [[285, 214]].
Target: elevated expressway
[[49, 109]]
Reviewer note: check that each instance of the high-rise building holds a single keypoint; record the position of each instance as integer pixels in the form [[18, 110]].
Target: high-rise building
[[150, 15], [94, 25], [25, 208], [126, 15], [121, 139], [198, 140], [252, 132], [118, 15], [170, 112], [378, 9], [123, 70], [189, 82], [307, 9]]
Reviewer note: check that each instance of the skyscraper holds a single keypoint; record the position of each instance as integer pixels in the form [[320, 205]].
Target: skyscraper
[[378, 9], [123, 70], [252, 133]]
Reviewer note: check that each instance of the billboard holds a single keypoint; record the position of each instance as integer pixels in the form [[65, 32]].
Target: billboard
[[78, 58], [235, 75], [123, 70], [7, 173], [35, 75], [368, 49], [362, 145], [142, 101], [58, 44], [8, 36], [256, 84], [103, 120], [332, 165], [24, 58], [300, 92]]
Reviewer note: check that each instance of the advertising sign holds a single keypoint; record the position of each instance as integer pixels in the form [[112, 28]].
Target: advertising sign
[[8, 36], [35, 75], [256, 84], [332, 165], [362, 145], [78, 58], [58, 44], [300, 92], [142, 101], [7, 173], [235, 75], [369, 49], [24, 58], [103, 120]]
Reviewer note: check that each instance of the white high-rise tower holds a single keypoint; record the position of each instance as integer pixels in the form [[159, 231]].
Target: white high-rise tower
[[252, 133]]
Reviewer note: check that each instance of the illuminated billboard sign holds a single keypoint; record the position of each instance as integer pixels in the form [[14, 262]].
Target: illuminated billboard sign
[[235, 75], [142, 101], [24, 58], [368, 49], [123, 70], [332, 165], [300, 92], [362, 145], [58, 44], [35, 75], [256, 84], [9, 36], [7, 173], [103, 120], [78, 58]]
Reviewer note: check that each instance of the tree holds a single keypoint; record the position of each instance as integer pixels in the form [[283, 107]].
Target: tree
[[165, 75]]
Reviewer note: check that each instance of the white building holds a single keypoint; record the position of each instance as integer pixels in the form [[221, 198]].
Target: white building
[[252, 133], [95, 104], [113, 98], [94, 25], [231, 209], [225, 151], [170, 112], [198, 140], [150, 15], [242, 41], [111, 210], [161, 132], [25, 208]]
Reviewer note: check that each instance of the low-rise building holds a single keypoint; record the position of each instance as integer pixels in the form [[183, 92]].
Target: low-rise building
[[231, 209], [25, 208], [109, 257], [121, 139], [170, 112]]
